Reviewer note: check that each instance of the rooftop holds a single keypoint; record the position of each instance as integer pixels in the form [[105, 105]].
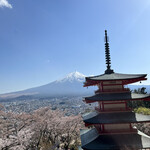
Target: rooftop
[[115, 76]]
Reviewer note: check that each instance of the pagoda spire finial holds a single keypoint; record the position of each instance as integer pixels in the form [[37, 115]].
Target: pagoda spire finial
[[107, 55]]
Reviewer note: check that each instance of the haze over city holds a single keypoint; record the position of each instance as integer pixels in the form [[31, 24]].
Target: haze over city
[[42, 41]]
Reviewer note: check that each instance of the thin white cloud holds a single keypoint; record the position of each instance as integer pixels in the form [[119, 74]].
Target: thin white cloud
[[5, 3]]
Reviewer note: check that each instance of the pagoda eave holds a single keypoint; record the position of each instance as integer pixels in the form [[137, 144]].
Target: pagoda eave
[[92, 140], [115, 118], [94, 124], [93, 82], [127, 96]]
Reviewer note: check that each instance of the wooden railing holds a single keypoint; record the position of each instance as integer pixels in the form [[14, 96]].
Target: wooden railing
[[113, 109], [112, 90], [118, 131]]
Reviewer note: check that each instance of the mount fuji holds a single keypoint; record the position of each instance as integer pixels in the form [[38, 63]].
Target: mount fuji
[[71, 85]]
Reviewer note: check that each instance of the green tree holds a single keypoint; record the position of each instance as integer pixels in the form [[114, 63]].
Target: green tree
[[139, 103]]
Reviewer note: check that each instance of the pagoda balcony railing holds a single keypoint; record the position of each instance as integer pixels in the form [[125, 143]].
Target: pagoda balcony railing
[[112, 109], [118, 131], [112, 90]]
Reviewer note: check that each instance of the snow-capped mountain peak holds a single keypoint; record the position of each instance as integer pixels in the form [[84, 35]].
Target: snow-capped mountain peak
[[73, 76]]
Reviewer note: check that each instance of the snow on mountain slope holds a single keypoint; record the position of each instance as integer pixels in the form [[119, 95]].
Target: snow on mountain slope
[[74, 76]]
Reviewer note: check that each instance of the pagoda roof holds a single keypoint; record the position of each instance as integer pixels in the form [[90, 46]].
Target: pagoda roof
[[92, 140], [114, 76], [117, 96], [116, 117]]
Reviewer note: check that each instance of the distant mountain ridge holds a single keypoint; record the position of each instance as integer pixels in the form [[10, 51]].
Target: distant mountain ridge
[[71, 85]]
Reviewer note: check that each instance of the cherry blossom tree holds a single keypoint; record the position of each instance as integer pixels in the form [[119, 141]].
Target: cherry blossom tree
[[44, 128]]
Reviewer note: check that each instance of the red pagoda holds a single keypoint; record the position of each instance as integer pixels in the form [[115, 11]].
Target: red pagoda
[[110, 123]]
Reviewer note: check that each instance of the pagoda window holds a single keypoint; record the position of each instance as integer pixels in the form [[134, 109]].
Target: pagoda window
[[114, 106], [112, 87], [112, 82], [115, 127]]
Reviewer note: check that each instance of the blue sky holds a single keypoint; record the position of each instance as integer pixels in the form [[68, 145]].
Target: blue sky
[[41, 41]]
